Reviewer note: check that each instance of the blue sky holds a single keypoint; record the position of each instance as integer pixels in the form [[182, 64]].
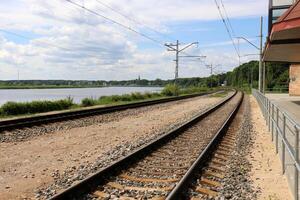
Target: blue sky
[[60, 41]]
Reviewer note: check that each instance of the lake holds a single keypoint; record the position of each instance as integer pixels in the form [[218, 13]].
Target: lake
[[24, 95]]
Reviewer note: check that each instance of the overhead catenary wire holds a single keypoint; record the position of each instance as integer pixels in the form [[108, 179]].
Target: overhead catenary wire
[[117, 23], [29, 38], [46, 43], [227, 28], [227, 17], [133, 20]]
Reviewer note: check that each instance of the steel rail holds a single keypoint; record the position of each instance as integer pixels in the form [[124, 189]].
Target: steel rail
[[184, 183], [44, 119], [96, 179]]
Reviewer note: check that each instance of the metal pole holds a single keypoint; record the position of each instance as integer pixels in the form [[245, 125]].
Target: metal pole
[[260, 56], [269, 115], [264, 78], [283, 144], [272, 119], [239, 51], [177, 60], [276, 128], [251, 77], [176, 48], [296, 192], [211, 72]]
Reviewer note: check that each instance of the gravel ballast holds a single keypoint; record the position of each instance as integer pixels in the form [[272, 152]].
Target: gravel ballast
[[47, 163], [202, 131]]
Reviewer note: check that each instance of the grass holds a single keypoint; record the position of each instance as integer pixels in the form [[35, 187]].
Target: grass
[[11, 109], [105, 100], [17, 108]]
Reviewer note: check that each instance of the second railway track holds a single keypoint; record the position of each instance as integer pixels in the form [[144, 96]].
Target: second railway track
[[160, 170], [11, 124]]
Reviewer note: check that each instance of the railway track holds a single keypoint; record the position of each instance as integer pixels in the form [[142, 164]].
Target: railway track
[[12, 124], [164, 168], [207, 181]]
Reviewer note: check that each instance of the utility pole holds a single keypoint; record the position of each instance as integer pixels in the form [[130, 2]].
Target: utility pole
[[177, 60], [176, 47], [211, 73], [261, 70], [264, 77], [260, 78], [239, 53]]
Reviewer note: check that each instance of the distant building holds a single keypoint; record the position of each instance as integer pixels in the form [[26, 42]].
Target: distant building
[[283, 43]]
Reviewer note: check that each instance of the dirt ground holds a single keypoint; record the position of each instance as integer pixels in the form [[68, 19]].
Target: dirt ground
[[26, 166], [266, 173]]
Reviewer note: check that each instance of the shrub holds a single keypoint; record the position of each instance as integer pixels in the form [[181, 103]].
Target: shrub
[[115, 98], [156, 94], [126, 97], [170, 90], [137, 96], [15, 108], [88, 102], [148, 95]]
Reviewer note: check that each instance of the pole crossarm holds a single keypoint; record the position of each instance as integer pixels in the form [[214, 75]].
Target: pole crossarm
[[249, 42], [192, 56], [171, 47], [251, 54], [189, 45]]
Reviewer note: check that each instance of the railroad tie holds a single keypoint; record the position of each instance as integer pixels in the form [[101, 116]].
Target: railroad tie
[[214, 174], [150, 180], [144, 189], [210, 182], [219, 162], [220, 157], [205, 191], [217, 168]]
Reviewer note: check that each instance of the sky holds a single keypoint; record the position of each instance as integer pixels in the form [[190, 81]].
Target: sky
[[54, 39]]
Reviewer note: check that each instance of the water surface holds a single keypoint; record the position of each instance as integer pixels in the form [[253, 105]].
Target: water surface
[[24, 95]]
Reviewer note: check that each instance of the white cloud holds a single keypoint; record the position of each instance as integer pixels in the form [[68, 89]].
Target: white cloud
[[69, 43]]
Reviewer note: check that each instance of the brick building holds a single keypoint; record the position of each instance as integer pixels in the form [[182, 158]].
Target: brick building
[[283, 44]]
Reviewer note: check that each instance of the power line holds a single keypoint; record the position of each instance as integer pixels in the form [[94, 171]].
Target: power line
[[28, 38], [122, 25], [226, 26], [132, 19], [137, 22], [228, 20], [116, 22], [43, 42]]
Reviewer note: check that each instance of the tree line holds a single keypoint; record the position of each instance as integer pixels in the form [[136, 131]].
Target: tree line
[[244, 76]]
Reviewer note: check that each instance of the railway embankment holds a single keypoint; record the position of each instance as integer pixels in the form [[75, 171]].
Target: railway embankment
[[56, 155]]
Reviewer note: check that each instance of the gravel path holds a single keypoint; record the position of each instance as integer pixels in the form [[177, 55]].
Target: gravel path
[[237, 183], [267, 165], [44, 165], [254, 169]]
